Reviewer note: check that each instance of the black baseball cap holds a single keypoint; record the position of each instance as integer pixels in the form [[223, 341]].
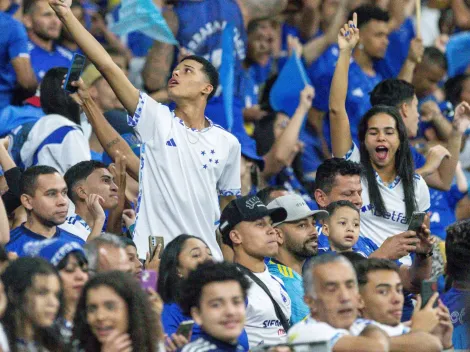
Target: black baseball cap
[[247, 208]]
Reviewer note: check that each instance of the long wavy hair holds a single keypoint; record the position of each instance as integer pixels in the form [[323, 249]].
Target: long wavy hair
[[143, 327], [18, 278], [404, 165]]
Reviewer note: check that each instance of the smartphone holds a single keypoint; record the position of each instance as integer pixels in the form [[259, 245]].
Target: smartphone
[[154, 241], [185, 328], [148, 279], [75, 70], [428, 288], [416, 221]]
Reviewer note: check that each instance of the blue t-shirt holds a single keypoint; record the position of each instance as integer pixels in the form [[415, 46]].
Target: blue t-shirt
[[456, 300], [442, 209], [20, 236], [13, 116], [397, 51], [418, 158], [202, 35], [364, 246], [13, 44], [172, 317], [294, 286], [42, 60], [208, 343]]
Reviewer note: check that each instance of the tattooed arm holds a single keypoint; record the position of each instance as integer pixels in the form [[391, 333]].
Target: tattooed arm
[[159, 59], [255, 9]]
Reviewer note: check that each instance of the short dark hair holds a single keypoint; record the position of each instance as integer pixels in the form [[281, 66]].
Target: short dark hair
[[392, 92], [30, 176], [206, 273], [330, 168], [210, 71], [365, 267], [334, 206], [265, 194], [458, 250], [453, 88], [434, 56], [353, 257], [80, 172], [367, 13], [29, 6], [128, 242], [54, 99]]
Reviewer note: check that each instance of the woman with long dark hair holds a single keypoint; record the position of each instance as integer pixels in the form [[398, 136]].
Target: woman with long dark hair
[[114, 314], [34, 294], [180, 257], [391, 189]]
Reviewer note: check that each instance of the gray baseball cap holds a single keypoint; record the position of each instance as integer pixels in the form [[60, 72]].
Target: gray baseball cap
[[296, 208]]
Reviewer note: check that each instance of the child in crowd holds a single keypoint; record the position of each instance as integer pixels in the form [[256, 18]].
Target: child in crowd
[[342, 226], [340, 231]]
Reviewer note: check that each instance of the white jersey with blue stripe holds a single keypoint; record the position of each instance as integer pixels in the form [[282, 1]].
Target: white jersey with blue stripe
[[311, 330], [183, 171], [360, 324], [77, 226], [394, 221], [55, 141]]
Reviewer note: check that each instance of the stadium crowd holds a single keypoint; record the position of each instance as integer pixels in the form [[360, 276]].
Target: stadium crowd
[[292, 175]]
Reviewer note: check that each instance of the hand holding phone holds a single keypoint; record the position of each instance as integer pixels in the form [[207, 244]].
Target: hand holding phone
[[185, 329], [148, 279], [75, 70], [428, 289], [154, 241], [416, 221]]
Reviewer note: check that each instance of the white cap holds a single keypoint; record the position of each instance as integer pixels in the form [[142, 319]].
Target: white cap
[[296, 208]]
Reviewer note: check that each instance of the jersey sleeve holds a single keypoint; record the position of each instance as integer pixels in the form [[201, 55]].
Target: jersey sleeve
[[229, 183], [454, 196], [353, 154], [422, 193], [18, 43], [151, 119]]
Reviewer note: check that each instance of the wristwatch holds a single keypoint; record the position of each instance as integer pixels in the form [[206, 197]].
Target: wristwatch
[[426, 255]]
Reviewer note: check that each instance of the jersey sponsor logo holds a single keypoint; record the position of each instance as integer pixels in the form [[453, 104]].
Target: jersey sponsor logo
[[271, 323], [394, 215], [281, 332]]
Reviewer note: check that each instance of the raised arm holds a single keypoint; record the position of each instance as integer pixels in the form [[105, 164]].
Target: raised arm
[[461, 13], [371, 339], [255, 9], [286, 146], [159, 59], [341, 139], [127, 94], [4, 224], [111, 141], [315, 47]]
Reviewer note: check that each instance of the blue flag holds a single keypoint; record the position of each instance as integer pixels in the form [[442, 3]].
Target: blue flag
[[458, 53], [285, 93], [145, 17], [226, 72]]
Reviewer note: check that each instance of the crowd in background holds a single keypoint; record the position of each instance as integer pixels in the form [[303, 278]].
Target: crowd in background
[[304, 165]]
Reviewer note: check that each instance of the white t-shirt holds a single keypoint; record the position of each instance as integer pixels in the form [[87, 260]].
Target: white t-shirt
[[392, 331], [76, 226], [55, 141], [182, 173], [379, 228], [311, 330], [262, 325]]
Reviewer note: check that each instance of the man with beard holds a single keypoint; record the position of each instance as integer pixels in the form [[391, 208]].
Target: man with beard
[[44, 28], [298, 240]]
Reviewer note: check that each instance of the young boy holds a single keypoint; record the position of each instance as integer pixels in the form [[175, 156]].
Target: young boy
[[214, 295], [340, 231]]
